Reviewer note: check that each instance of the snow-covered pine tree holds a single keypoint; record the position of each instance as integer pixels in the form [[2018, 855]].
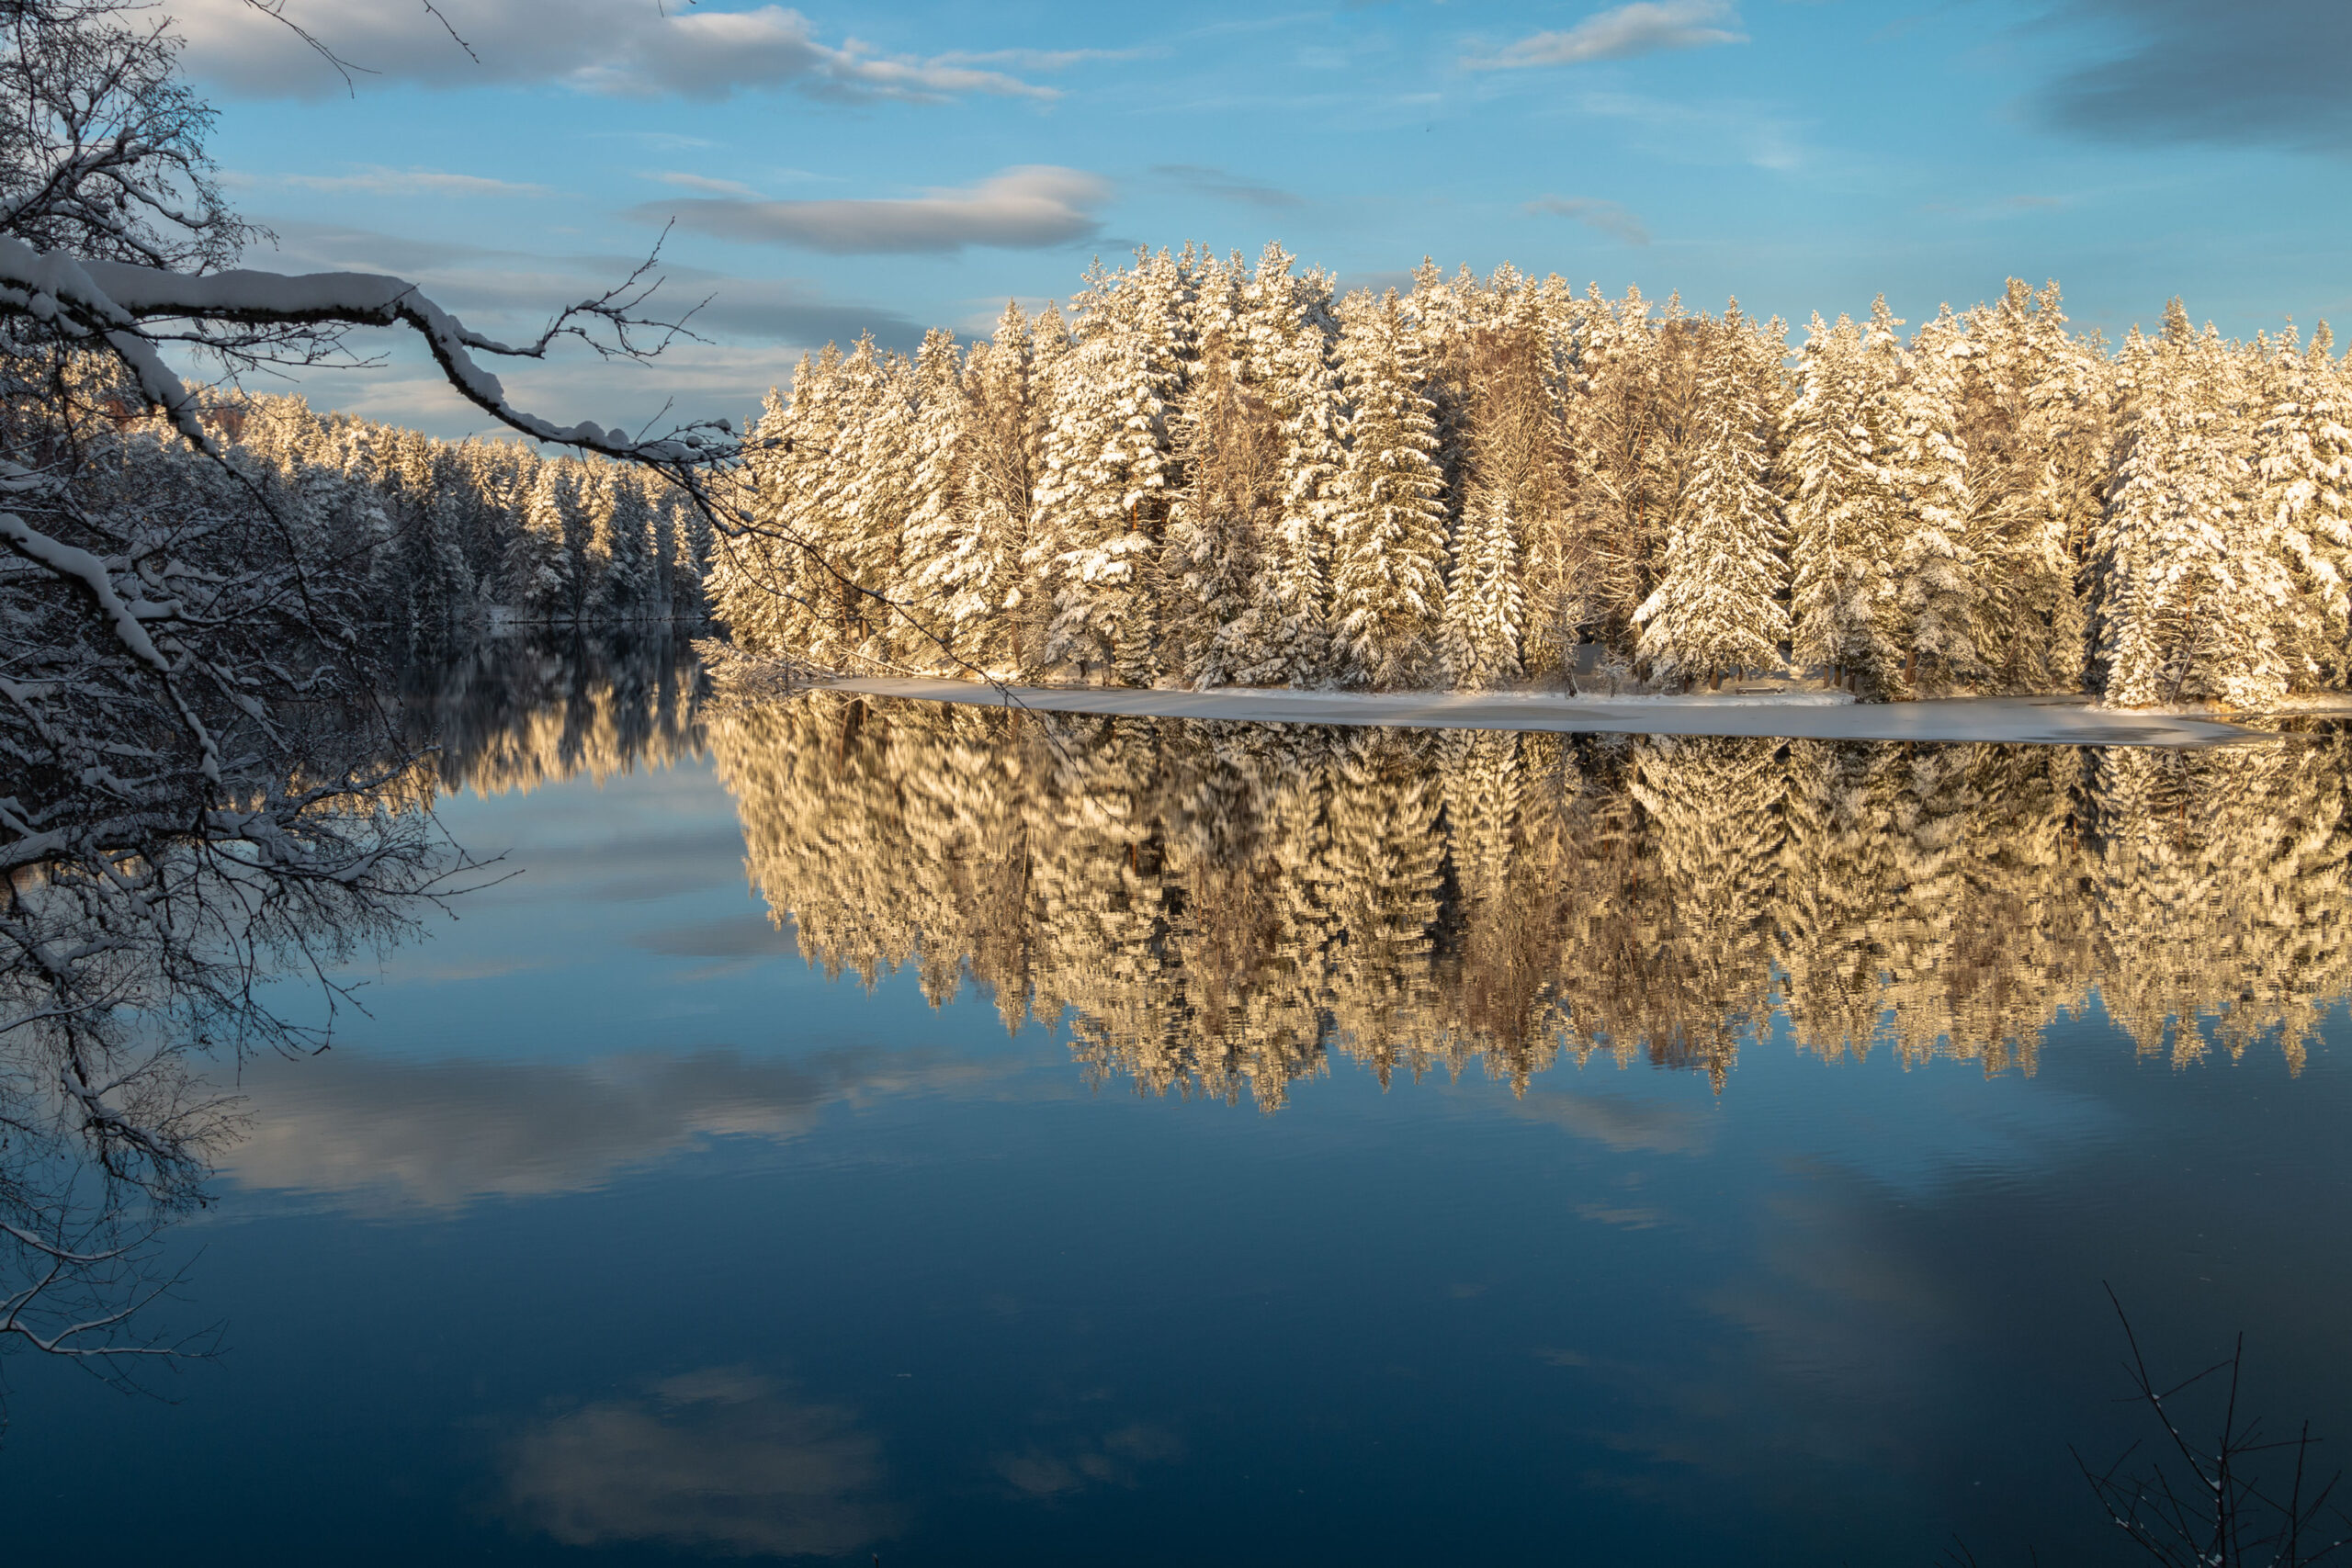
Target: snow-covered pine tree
[[1842, 598], [2070, 414], [990, 594], [1103, 499], [750, 585], [942, 619], [1293, 333], [2016, 401], [1222, 524], [1619, 518], [1485, 611], [1514, 522], [2190, 575], [1717, 605], [801, 485], [1388, 584], [1938, 584], [2303, 464], [625, 544], [874, 497], [532, 577]]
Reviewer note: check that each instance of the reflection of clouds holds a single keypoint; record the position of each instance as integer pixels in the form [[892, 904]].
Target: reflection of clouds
[[439, 1133], [1620, 1123], [719, 1460], [748, 935], [1113, 1462]]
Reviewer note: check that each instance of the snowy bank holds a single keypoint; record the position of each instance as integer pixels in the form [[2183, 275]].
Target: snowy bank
[[1810, 715]]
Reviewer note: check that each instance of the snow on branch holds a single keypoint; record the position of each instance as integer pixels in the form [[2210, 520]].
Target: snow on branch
[[119, 305]]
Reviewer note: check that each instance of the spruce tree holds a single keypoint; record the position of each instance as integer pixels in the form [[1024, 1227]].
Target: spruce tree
[[1104, 493], [1388, 585], [1842, 603], [1717, 606], [1937, 575]]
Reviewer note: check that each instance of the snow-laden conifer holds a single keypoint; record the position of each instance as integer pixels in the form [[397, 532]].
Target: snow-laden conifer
[[1717, 605], [1485, 611], [2303, 467], [1938, 581], [1388, 582], [1842, 594], [941, 555], [1223, 523], [1290, 333], [2192, 576], [1103, 496]]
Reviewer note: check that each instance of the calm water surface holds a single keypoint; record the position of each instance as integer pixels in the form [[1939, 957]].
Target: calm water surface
[[870, 1128]]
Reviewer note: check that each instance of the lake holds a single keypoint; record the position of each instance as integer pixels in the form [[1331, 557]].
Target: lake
[[860, 1127]]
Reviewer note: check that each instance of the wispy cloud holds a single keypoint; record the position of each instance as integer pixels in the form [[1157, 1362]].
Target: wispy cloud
[[1646, 26], [628, 47], [1211, 181], [703, 182], [1030, 208], [374, 179], [1606, 216]]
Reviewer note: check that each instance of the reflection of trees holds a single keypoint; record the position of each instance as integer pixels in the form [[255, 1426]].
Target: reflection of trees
[[1212, 907], [130, 952], [138, 948], [514, 713]]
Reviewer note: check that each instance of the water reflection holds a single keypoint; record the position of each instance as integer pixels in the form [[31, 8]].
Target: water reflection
[[515, 712], [139, 952], [1219, 906], [721, 1461], [389, 1135]]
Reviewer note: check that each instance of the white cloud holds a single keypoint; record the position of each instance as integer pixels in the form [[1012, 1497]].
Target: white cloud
[[630, 47], [1606, 216], [1646, 26], [1030, 208], [704, 183], [374, 179]]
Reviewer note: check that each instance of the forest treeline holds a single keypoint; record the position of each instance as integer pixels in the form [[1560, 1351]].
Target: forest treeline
[[1213, 472], [1213, 907], [446, 537]]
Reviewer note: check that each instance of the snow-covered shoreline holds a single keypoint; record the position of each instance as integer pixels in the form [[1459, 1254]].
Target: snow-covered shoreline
[[1815, 716]]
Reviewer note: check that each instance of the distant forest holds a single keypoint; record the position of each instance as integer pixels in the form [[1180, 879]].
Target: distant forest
[[1208, 472], [444, 537]]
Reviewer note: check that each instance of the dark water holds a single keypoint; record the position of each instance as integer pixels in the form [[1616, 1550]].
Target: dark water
[[1158, 1143]]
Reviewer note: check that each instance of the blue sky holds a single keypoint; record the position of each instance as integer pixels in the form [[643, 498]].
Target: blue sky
[[893, 166]]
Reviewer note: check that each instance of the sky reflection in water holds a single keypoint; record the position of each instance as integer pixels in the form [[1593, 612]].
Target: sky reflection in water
[[619, 1227]]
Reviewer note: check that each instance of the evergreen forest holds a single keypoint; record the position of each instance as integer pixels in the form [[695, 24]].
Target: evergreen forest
[[1210, 472]]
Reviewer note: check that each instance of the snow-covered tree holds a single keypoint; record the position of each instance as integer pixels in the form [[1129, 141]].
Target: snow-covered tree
[[1388, 582], [1103, 495], [1223, 535], [2192, 576], [1292, 332], [1717, 605], [2304, 465], [1840, 553], [940, 620], [1938, 587]]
